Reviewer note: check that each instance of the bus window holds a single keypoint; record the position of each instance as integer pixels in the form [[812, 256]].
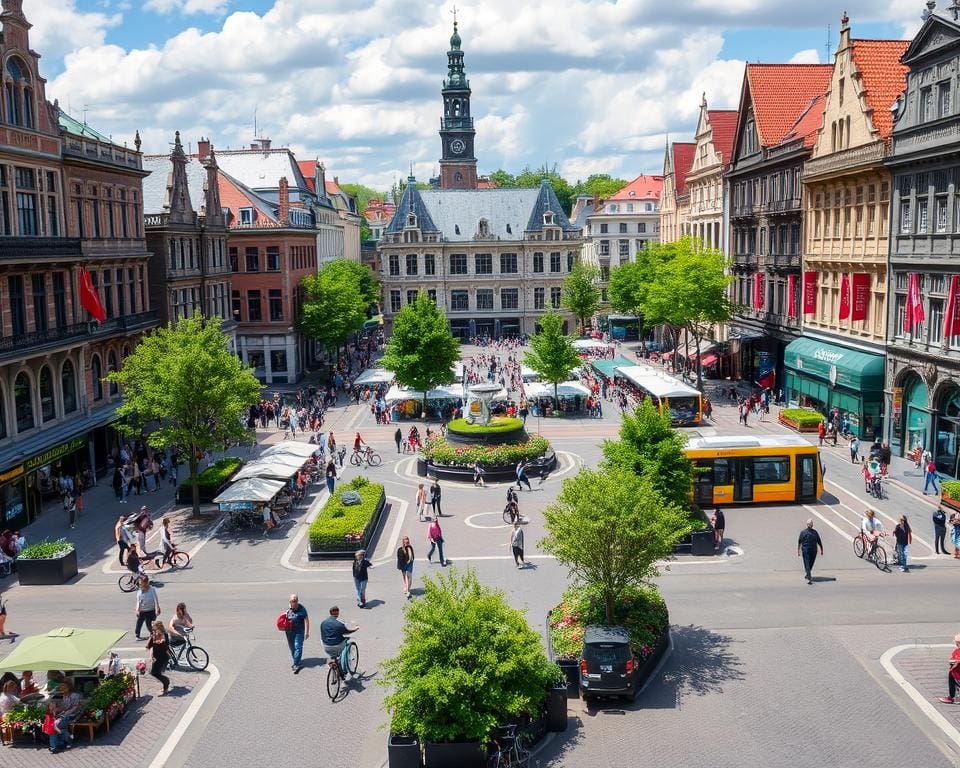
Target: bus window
[[721, 472], [684, 410], [771, 469]]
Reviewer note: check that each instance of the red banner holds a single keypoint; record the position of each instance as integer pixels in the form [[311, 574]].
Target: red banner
[[809, 293], [89, 298], [791, 295], [844, 297], [861, 296], [913, 312], [758, 291], [951, 319]]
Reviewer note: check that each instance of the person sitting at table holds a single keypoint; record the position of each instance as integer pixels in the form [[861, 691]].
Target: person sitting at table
[[28, 686], [8, 696], [69, 708], [54, 678]]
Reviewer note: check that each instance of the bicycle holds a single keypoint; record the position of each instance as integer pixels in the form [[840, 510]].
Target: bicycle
[[196, 656], [335, 675], [511, 517], [509, 750], [369, 457], [878, 554], [130, 582], [178, 559]]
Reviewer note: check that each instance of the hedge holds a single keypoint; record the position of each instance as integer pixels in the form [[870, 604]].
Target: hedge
[[213, 477], [438, 450], [498, 425], [337, 523], [801, 416]]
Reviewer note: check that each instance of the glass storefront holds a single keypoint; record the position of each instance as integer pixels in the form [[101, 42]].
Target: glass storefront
[[916, 414], [948, 430]]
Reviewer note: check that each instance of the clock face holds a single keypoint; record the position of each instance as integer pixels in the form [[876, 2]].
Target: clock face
[[458, 146]]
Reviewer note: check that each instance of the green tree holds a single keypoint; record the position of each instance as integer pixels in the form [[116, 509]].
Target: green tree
[[602, 184], [363, 195], [530, 179], [651, 449], [183, 381], [421, 351], [552, 354], [690, 291], [503, 179], [467, 662], [359, 274], [334, 304], [610, 527], [580, 293]]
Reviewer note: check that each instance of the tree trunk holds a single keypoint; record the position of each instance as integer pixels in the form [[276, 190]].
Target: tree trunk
[[697, 338], [608, 606], [423, 412], [194, 484], [556, 397]]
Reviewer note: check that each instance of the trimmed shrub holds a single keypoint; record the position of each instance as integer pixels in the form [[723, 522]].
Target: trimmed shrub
[[212, 478], [340, 526], [802, 417], [439, 451], [498, 425], [45, 550]]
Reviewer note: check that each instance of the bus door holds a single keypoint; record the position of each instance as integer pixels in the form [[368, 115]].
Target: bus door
[[703, 483], [743, 479], [807, 477]]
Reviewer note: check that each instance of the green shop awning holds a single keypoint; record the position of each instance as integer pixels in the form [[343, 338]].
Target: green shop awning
[[608, 368], [836, 365]]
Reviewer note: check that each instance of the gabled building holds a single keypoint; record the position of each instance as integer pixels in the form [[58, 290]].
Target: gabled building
[[674, 199], [839, 360], [187, 230], [923, 322], [781, 109], [378, 215], [344, 204], [706, 216]]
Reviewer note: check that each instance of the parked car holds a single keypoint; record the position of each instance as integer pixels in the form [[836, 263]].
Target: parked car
[[607, 665]]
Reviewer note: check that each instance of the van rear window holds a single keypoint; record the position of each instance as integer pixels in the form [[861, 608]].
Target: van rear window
[[606, 653]]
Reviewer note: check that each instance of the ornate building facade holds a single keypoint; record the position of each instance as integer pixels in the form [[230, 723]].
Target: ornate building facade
[[674, 199], [706, 217]]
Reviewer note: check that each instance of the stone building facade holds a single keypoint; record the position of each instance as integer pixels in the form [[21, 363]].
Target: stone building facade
[[674, 199], [706, 217]]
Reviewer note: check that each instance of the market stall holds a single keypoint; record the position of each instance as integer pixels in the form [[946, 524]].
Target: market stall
[[406, 403], [593, 348], [280, 467], [289, 448], [608, 368], [571, 396], [244, 499], [373, 377]]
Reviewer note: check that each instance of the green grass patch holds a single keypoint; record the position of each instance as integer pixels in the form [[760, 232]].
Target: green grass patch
[[213, 477], [339, 527], [438, 450], [498, 425], [802, 417], [45, 550]]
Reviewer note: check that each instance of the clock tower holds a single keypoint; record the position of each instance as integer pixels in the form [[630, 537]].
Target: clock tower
[[458, 166]]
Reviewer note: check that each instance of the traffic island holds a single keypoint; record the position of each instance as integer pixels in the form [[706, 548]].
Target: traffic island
[[348, 521]]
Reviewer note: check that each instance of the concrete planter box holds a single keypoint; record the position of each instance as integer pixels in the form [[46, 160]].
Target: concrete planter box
[[703, 542], [350, 547], [456, 472], [404, 752], [56, 570], [464, 754]]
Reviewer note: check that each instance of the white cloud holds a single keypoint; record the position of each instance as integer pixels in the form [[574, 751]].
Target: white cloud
[[60, 27], [187, 7], [808, 56]]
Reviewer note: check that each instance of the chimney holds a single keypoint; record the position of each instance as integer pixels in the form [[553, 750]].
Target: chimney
[[596, 202], [203, 149], [264, 144], [284, 201]]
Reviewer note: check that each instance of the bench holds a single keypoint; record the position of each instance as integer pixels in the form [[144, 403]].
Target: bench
[[90, 725]]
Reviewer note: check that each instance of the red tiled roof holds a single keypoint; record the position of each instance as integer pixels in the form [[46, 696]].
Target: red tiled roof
[[486, 184], [308, 169], [723, 122], [682, 163], [641, 188], [884, 77], [333, 188], [808, 123], [235, 197], [781, 92]]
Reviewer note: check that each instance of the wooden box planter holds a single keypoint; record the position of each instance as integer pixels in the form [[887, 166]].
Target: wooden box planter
[[950, 503], [404, 752], [350, 547], [795, 425], [459, 754], [57, 570]]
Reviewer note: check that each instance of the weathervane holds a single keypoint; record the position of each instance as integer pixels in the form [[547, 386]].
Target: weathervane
[[454, 12]]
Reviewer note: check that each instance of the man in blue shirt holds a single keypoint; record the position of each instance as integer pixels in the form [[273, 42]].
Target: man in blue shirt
[[333, 635], [298, 632]]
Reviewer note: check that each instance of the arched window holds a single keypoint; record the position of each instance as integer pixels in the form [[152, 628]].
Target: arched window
[[96, 373], [68, 387], [48, 408], [126, 352], [23, 402], [111, 367], [19, 95]]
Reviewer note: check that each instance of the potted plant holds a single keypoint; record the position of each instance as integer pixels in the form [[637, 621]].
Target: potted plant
[[467, 663], [47, 562], [800, 419]]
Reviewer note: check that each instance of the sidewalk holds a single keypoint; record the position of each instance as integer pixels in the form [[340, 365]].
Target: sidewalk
[[921, 672]]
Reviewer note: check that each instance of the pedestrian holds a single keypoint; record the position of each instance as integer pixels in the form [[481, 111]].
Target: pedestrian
[[421, 501], [148, 605], [122, 536], [398, 438], [361, 566], [931, 478], [807, 545], [522, 476], [435, 498], [143, 524], [3, 620], [159, 647], [298, 623], [155, 472], [955, 533], [719, 524], [854, 450], [435, 537], [405, 558], [940, 531], [477, 474], [821, 431], [118, 483], [331, 474], [516, 544], [166, 545], [953, 673], [331, 443], [903, 536]]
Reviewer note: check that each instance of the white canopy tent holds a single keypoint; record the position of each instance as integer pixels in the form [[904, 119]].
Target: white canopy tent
[[374, 376], [590, 344], [289, 448], [445, 392], [280, 467], [564, 389], [528, 374], [458, 370], [251, 489]]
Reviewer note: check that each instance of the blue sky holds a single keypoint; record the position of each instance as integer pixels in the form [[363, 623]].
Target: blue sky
[[588, 85]]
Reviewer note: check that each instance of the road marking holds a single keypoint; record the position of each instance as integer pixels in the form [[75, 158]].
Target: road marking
[[174, 738], [397, 525], [486, 527], [925, 706], [812, 511], [304, 530]]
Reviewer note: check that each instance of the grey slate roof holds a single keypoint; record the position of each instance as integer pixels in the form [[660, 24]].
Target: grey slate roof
[[155, 185], [411, 200], [547, 201], [581, 221], [261, 170]]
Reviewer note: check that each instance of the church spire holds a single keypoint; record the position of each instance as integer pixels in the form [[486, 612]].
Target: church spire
[[458, 166]]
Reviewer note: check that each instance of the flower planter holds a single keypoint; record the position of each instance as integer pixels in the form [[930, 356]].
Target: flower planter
[[795, 425], [460, 754], [461, 473], [350, 547], [56, 570], [953, 504], [557, 709], [571, 672], [403, 752]]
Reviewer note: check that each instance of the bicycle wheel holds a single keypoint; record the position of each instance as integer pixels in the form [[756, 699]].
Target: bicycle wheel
[[507, 517], [374, 460], [353, 658], [520, 756], [172, 663], [355, 459], [180, 559], [197, 658], [858, 546], [880, 558], [127, 582], [333, 682]]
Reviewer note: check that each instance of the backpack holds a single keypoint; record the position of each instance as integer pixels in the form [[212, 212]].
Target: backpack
[[284, 623]]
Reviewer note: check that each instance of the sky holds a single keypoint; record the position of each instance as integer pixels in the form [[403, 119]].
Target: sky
[[588, 86]]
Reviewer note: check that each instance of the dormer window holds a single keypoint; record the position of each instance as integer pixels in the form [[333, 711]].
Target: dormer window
[[613, 208], [412, 220], [246, 215], [548, 217], [18, 94], [483, 228], [633, 192], [456, 228]]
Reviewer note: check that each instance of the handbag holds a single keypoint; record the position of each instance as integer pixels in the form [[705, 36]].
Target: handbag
[[284, 623]]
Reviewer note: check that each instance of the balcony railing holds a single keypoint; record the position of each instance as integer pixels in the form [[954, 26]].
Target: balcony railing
[[39, 248], [39, 341]]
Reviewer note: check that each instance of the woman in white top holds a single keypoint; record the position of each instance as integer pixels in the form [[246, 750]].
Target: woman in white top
[[166, 543], [181, 620], [421, 501]]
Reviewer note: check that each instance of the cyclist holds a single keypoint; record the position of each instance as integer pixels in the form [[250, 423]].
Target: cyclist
[[180, 622], [333, 635], [871, 529]]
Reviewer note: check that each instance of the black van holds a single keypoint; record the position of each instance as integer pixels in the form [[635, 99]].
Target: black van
[[607, 666]]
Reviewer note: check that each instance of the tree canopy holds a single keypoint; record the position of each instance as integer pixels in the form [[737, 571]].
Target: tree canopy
[[336, 301], [552, 354], [530, 178], [363, 195], [601, 184], [184, 382], [421, 351], [580, 293], [610, 527]]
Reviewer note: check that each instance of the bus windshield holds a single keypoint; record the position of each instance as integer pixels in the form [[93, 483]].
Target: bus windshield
[[684, 410]]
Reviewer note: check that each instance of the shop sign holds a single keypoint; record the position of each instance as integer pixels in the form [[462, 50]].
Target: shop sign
[[897, 400], [51, 455], [11, 474]]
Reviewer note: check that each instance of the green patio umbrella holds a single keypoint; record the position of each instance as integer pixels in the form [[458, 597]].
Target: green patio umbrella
[[64, 648]]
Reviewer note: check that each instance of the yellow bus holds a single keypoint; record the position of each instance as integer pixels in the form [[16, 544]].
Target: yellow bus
[[682, 401], [755, 470]]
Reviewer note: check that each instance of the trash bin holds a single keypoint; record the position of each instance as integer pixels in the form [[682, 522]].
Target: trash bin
[[557, 709], [403, 752], [703, 542]]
